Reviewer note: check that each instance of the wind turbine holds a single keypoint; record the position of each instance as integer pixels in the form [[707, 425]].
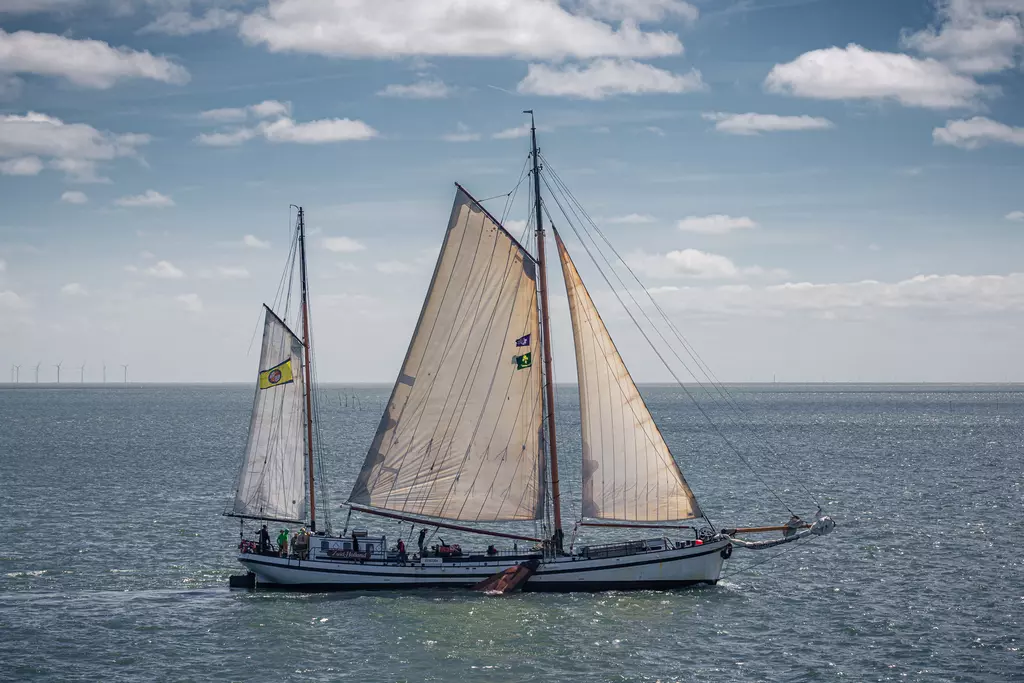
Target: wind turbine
[[104, 372], [125, 366], [17, 374], [37, 371], [58, 370], [81, 376]]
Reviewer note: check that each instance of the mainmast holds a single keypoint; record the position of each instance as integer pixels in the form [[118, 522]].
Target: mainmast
[[546, 333], [306, 343]]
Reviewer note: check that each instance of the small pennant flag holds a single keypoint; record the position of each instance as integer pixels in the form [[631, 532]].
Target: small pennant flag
[[523, 341], [524, 361], [277, 375]]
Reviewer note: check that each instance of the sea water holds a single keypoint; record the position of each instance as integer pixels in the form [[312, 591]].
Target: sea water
[[114, 556]]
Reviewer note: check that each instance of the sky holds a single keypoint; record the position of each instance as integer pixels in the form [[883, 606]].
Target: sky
[[811, 189]]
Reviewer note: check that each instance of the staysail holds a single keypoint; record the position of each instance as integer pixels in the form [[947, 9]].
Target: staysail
[[628, 472], [271, 483], [460, 438]]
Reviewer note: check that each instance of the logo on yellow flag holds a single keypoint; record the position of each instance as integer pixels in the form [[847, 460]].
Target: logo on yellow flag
[[277, 375]]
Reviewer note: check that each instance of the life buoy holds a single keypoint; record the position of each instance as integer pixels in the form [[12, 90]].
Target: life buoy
[[727, 552]]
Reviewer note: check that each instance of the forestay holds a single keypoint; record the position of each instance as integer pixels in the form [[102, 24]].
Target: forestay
[[460, 438], [628, 472], [271, 483]]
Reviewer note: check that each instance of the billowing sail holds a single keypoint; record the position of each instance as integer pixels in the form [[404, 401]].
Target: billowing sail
[[271, 483], [628, 472], [461, 435]]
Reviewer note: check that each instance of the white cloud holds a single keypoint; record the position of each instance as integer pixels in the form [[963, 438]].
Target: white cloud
[[317, 132], [639, 10], [149, 198], [715, 224], [463, 134], [74, 197], [752, 124], [342, 245], [655, 131], [12, 301], [512, 133], [280, 127], [853, 72], [683, 263], [73, 148], [225, 114], [603, 78], [974, 36], [74, 289], [21, 166], [537, 29], [977, 132], [190, 302], [949, 294], [263, 110], [255, 242], [230, 138], [633, 219], [1015, 216], [87, 63], [395, 267], [79, 170], [180, 23], [166, 270], [422, 90], [271, 108]]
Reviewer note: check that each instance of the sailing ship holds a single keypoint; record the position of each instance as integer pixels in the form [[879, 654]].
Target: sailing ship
[[468, 436]]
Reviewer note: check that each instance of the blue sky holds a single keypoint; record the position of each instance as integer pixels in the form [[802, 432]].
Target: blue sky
[[814, 189]]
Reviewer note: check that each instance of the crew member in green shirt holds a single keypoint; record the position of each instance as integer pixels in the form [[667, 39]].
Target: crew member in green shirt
[[282, 542]]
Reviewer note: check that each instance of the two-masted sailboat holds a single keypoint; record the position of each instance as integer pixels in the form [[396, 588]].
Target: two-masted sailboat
[[468, 436]]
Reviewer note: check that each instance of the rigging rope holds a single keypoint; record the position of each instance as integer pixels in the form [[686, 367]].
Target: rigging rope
[[687, 346], [661, 357]]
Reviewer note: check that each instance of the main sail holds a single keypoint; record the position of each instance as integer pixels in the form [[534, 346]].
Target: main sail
[[460, 438], [628, 472], [271, 483]]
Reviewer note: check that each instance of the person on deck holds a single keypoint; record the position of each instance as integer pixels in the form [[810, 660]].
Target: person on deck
[[402, 557], [282, 542], [300, 543], [264, 542], [423, 538]]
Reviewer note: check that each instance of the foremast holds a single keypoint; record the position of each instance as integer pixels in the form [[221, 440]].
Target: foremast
[[556, 498], [307, 343]]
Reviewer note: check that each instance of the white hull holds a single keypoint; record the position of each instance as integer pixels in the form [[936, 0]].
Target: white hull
[[671, 568]]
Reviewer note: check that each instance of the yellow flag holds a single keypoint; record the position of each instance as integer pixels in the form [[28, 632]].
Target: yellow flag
[[277, 375]]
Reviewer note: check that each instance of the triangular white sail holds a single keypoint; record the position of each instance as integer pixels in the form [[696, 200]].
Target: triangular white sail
[[628, 472], [271, 483], [460, 438]]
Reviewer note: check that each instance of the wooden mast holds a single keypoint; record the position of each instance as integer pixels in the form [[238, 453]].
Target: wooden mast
[[306, 343], [542, 265]]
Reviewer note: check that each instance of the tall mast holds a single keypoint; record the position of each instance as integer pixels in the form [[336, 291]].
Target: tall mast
[[542, 264], [306, 343]]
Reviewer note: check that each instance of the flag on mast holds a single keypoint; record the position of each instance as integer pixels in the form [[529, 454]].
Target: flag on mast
[[523, 341], [524, 361], [277, 375]]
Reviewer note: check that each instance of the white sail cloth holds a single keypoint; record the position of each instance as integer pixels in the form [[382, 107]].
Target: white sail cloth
[[460, 438], [628, 472], [271, 483]]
